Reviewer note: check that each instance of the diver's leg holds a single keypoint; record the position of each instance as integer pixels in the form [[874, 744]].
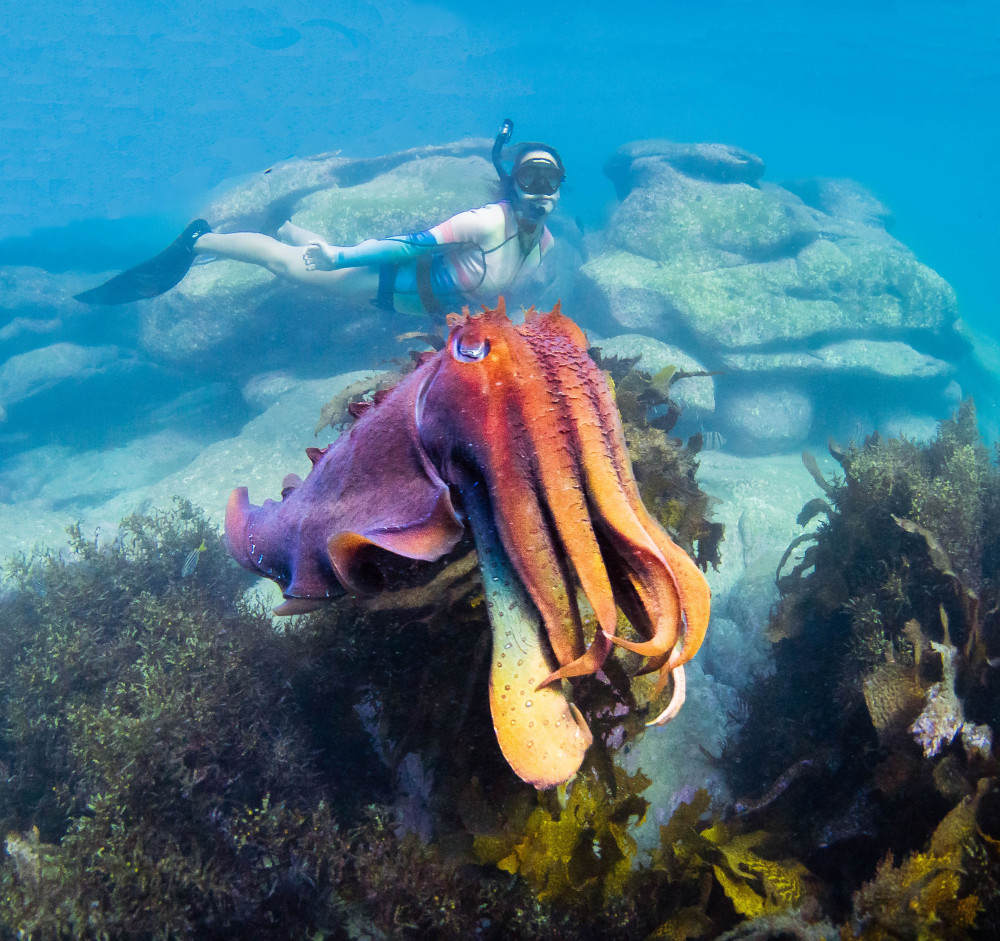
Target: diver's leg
[[286, 262], [294, 234], [251, 247], [256, 249]]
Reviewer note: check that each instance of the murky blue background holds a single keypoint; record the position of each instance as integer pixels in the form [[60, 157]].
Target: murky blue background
[[114, 112]]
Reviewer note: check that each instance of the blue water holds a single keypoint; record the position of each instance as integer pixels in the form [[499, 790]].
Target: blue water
[[115, 112]]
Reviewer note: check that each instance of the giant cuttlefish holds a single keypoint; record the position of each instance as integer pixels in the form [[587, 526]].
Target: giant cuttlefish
[[512, 429]]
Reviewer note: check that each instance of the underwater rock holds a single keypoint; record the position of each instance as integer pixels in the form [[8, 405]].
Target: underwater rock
[[890, 359], [703, 725], [720, 163], [35, 306], [74, 480], [66, 365], [904, 424], [740, 265], [766, 420], [736, 655], [406, 198], [262, 201], [826, 288], [55, 486], [842, 199], [688, 222], [264, 389]]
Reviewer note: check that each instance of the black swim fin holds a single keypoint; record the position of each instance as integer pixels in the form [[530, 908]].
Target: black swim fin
[[152, 277]]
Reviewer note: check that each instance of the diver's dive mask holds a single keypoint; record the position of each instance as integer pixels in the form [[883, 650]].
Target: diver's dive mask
[[538, 177]]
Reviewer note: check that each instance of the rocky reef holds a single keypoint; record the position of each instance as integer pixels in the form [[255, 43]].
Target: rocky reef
[[794, 296], [870, 749]]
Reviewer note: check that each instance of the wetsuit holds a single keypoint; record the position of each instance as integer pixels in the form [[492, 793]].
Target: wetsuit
[[473, 256]]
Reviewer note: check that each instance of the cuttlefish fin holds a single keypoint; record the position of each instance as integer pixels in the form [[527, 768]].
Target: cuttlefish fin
[[427, 538]]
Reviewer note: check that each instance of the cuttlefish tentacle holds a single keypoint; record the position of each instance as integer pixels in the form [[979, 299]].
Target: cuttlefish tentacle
[[540, 732], [688, 581], [614, 499], [525, 532], [660, 589], [694, 598], [549, 414]]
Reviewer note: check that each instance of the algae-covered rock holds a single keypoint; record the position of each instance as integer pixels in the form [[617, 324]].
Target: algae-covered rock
[[263, 200], [673, 216], [737, 263], [887, 359], [407, 198]]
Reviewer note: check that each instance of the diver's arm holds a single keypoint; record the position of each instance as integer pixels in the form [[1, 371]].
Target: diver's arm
[[476, 226], [369, 253]]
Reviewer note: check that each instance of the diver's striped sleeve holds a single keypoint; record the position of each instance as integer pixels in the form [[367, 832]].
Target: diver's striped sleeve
[[470, 227], [393, 250]]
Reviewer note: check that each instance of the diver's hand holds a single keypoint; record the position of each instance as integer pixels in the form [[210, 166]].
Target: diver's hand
[[318, 256]]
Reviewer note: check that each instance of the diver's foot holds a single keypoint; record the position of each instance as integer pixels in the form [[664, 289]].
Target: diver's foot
[[316, 258], [194, 231], [151, 278]]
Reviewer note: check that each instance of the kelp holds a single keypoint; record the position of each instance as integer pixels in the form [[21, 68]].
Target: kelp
[[580, 853], [887, 624], [932, 891], [175, 766]]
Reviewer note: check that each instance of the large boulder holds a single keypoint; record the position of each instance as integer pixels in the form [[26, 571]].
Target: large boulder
[[887, 359], [771, 420], [64, 365], [722, 261]]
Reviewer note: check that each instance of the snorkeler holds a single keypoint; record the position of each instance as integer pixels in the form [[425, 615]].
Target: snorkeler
[[473, 256]]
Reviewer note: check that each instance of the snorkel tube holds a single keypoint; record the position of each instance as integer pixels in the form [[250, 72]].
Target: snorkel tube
[[503, 135]]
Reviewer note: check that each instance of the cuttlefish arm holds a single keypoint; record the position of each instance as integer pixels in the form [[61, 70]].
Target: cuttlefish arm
[[541, 733]]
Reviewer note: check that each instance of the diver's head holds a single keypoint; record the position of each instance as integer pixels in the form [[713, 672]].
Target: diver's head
[[535, 179]]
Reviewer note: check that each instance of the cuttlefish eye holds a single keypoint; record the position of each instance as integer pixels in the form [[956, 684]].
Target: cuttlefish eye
[[468, 350]]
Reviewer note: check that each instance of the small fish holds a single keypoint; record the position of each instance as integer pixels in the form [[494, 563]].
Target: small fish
[[191, 562]]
